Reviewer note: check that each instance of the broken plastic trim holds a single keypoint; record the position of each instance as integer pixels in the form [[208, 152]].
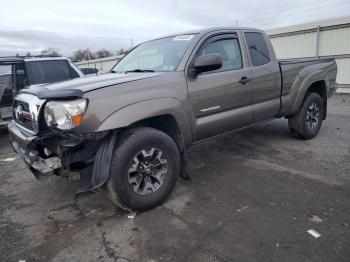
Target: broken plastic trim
[[102, 163]]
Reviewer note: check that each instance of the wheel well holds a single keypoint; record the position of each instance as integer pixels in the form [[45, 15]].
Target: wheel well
[[319, 87], [166, 124]]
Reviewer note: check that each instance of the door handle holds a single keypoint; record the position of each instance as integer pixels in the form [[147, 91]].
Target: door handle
[[244, 80]]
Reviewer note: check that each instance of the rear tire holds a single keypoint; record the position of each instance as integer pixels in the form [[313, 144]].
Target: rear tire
[[144, 170], [307, 122]]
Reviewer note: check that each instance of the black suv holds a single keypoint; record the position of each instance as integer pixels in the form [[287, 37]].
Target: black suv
[[17, 73]]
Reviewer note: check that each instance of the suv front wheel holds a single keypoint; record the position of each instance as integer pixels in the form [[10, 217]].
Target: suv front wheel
[[144, 169]]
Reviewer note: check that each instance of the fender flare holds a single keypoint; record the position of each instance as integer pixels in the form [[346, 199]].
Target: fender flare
[[311, 78], [138, 111]]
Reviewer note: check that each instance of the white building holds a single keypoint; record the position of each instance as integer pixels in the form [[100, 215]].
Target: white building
[[322, 39]]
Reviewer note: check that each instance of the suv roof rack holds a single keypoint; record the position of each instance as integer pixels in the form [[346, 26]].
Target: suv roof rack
[[31, 56]]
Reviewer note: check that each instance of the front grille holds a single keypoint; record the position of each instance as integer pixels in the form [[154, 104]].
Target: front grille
[[24, 105], [26, 112], [22, 115]]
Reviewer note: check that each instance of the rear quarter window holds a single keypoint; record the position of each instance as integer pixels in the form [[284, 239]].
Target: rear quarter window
[[49, 71], [258, 50]]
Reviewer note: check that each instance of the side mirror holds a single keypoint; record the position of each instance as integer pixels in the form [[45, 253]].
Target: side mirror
[[206, 63]]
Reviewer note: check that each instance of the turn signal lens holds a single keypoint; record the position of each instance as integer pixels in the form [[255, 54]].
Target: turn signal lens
[[77, 119]]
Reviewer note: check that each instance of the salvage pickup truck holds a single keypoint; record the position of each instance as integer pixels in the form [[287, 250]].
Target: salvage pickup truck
[[130, 129]]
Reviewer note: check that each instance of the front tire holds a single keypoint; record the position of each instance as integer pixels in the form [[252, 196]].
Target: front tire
[[307, 122], [144, 170]]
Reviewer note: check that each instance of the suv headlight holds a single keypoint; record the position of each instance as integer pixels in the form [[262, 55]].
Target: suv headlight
[[65, 114]]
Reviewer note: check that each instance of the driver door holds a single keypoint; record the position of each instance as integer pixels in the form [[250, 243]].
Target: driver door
[[221, 100]]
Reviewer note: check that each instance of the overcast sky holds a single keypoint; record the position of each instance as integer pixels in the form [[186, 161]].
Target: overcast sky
[[68, 25]]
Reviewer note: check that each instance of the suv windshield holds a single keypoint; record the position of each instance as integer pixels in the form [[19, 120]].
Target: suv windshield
[[161, 55]]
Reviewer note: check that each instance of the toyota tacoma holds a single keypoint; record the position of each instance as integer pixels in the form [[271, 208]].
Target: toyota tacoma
[[129, 129]]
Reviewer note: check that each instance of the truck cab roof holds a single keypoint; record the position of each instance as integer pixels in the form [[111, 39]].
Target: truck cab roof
[[213, 29], [205, 31]]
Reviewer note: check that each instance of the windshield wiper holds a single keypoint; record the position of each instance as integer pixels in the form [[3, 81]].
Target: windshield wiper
[[139, 71]]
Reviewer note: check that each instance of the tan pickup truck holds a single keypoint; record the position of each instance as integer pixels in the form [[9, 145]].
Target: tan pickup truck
[[129, 129]]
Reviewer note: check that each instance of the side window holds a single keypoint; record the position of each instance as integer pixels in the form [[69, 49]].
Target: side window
[[259, 53], [5, 78], [229, 51], [20, 75], [6, 82]]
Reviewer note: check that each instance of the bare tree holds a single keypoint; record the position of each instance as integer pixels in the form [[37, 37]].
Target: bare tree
[[122, 51], [82, 54], [77, 56], [50, 52], [103, 53]]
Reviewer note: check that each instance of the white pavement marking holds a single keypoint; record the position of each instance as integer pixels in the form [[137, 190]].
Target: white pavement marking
[[9, 159], [314, 233]]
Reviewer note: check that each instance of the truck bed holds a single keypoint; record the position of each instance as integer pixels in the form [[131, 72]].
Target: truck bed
[[291, 68], [293, 74]]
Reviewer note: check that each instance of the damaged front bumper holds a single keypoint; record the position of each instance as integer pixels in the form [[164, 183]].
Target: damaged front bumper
[[66, 154], [24, 144]]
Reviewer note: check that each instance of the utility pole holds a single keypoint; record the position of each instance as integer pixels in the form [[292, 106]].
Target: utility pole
[[131, 42], [87, 54], [318, 29], [236, 22]]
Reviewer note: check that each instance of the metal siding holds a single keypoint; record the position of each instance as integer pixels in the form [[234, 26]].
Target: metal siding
[[108, 65], [335, 42], [294, 46], [343, 75]]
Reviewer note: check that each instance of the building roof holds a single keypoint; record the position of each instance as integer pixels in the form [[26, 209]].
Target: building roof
[[309, 26]]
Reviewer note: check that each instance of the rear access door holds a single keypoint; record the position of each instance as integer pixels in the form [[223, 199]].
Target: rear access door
[[12, 79], [266, 76]]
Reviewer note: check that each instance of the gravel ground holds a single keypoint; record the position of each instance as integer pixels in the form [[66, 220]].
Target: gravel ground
[[252, 197]]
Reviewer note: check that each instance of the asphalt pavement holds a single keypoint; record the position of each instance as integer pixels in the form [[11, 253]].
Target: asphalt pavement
[[253, 196]]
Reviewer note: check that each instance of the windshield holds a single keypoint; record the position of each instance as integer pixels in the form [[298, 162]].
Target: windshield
[[161, 55]]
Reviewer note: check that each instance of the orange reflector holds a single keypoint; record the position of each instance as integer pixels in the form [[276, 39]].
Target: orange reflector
[[77, 119]]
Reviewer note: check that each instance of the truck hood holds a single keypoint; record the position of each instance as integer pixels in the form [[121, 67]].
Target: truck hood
[[78, 86]]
